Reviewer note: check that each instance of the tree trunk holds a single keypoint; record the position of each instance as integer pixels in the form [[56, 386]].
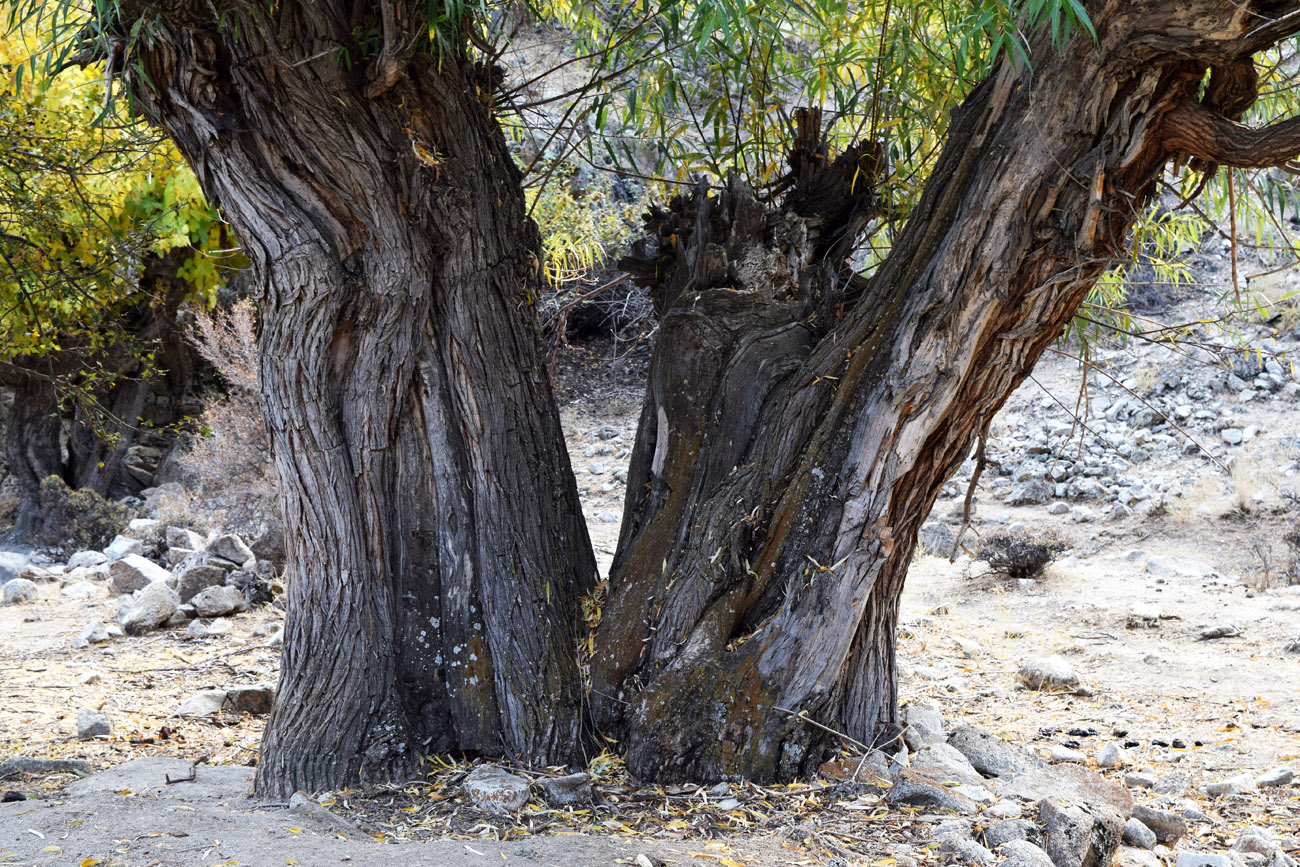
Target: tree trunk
[[33, 444], [435, 541], [800, 420]]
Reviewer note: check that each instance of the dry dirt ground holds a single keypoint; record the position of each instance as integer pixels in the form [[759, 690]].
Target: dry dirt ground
[[1210, 707]]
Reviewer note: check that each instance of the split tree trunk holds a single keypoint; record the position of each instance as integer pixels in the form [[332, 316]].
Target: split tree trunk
[[800, 421], [435, 541]]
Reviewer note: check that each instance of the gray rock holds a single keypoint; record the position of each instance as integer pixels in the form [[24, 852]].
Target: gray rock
[[219, 601], [946, 764], [1048, 673], [1131, 856], [1256, 840], [96, 632], [1237, 785], [1140, 779], [607, 517], [1167, 827], [132, 572], [1032, 493], [917, 790], [492, 789], [1005, 809], [922, 726], [208, 701], [1177, 567], [251, 699], [1082, 515], [81, 590], [991, 756], [1276, 778], [1058, 508], [1022, 853], [1139, 835], [999, 833], [39, 574], [1233, 436], [120, 547], [567, 791], [93, 724], [152, 607], [966, 851], [1207, 859], [230, 547], [304, 805], [1076, 836], [85, 559], [958, 828], [20, 590], [194, 579]]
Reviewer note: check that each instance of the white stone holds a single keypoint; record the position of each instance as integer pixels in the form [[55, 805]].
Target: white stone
[[86, 559], [120, 547], [1112, 755], [82, 590], [1276, 777], [208, 701], [1177, 567], [492, 789], [1237, 785], [1065, 754], [133, 572], [20, 590]]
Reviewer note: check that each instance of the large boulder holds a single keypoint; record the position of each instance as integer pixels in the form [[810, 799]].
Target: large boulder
[[133, 572], [231, 548], [1071, 784], [992, 756], [152, 607], [195, 579], [121, 546], [1080, 836]]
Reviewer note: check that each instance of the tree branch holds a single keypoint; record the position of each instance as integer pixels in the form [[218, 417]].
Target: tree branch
[[1190, 128]]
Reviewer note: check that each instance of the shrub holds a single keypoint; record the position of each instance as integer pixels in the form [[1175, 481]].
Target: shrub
[[1019, 555], [77, 520]]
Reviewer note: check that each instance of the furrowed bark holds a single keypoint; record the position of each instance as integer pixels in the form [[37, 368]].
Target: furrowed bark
[[436, 547], [798, 426]]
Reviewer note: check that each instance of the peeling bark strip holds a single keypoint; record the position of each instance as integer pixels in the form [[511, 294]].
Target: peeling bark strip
[[799, 422], [436, 547]]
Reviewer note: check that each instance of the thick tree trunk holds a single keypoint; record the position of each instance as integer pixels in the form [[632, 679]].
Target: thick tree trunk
[[800, 421], [33, 444], [436, 547]]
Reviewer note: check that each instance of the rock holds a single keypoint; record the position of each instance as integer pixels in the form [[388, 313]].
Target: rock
[[90, 678], [1233, 436], [1219, 630], [120, 547], [96, 632], [93, 724], [196, 629], [304, 805], [1129, 856], [492, 789], [946, 764], [81, 590], [1111, 755], [607, 517], [132, 572], [1031, 493], [255, 699], [1139, 835], [1237, 785], [256, 590], [1058, 508], [1177, 567], [1140, 779], [918, 790], [989, 755], [1022, 853], [922, 726], [952, 828], [39, 574], [194, 579], [1048, 673], [1069, 783], [20, 590], [180, 537], [208, 701], [999, 833], [567, 791], [1082, 514], [1276, 778], [151, 608], [230, 547], [1167, 827], [966, 851], [1076, 836], [219, 601], [1172, 783], [1065, 754]]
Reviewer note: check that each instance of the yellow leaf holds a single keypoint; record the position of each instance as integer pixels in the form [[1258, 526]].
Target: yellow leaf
[[55, 849], [90, 862], [294, 830]]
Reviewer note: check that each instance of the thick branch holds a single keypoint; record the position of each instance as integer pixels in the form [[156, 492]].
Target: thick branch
[[1192, 129]]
